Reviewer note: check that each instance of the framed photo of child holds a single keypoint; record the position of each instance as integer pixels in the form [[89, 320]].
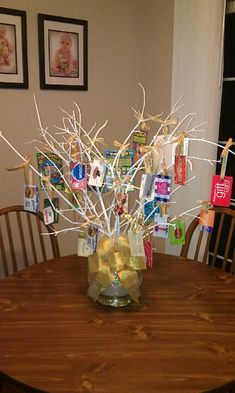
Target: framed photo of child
[[62, 52], [13, 49]]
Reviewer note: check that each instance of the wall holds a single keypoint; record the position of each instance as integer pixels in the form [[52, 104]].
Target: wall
[[125, 40], [196, 77]]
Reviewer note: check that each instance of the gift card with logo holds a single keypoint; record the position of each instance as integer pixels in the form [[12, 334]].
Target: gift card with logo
[[54, 205], [147, 186], [121, 205], [161, 228], [221, 191], [78, 176], [148, 249], [206, 220], [31, 198], [92, 237], [180, 170], [177, 233], [48, 215], [97, 173], [162, 188]]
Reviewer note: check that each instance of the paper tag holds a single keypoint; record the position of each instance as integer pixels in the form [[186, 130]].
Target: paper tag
[[221, 191], [162, 188], [121, 205], [180, 170], [136, 243], [31, 198], [48, 215], [148, 249], [162, 229], [78, 176], [92, 237], [206, 220], [97, 173], [177, 233], [83, 249]]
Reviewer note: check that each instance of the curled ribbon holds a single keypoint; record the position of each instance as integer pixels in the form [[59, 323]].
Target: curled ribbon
[[28, 173], [121, 146], [113, 259]]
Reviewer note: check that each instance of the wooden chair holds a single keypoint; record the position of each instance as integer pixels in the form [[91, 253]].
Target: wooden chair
[[224, 221], [24, 241], [10, 385], [228, 388]]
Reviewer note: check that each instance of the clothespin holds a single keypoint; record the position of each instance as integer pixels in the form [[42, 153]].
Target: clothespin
[[47, 180], [206, 205], [163, 209], [28, 173], [164, 171], [224, 158]]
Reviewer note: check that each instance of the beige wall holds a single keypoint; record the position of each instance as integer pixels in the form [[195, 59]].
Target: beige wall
[[129, 42]]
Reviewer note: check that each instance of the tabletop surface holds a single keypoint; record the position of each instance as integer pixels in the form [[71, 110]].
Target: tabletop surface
[[180, 339]]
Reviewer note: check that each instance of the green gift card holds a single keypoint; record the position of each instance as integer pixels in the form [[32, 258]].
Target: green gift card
[[177, 233]]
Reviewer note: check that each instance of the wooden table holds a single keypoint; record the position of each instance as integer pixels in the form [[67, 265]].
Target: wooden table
[[181, 339]]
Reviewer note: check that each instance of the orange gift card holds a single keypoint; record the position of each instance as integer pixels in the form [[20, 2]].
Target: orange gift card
[[206, 220]]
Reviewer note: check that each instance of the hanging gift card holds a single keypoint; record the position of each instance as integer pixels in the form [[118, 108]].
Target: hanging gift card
[[83, 249], [206, 220], [177, 233], [139, 139], [162, 188], [78, 176], [221, 191], [50, 164], [97, 173], [31, 198], [149, 211], [136, 243], [55, 206], [92, 237], [148, 249], [180, 170], [161, 228], [48, 215], [147, 186], [121, 205]]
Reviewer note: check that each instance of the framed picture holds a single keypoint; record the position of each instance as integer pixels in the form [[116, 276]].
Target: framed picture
[[13, 49], [62, 52]]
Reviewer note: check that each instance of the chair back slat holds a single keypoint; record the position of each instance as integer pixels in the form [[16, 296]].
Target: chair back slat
[[21, 237], [12, 250], [199, 242], [217, 241], [220, 243], [205, 256], [228, 243], [41, 238], [3, 252], [35, 260], [22, 241]]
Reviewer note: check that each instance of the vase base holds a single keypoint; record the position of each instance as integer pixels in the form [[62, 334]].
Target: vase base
[[113, 301]]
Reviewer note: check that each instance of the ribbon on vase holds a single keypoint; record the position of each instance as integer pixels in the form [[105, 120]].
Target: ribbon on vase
[[112, 258]]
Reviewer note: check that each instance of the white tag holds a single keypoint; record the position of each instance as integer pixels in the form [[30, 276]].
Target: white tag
[[136, 243], [147, 186], [48, 215], [83, 249]]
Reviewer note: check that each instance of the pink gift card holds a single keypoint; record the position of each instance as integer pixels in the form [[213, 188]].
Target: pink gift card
[[221, 191], [148, 249]]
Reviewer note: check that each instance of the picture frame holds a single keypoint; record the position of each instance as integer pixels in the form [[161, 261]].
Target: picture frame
[[13, 49], [63, 62]]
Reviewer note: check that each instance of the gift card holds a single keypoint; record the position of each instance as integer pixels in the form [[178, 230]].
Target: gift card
[[206, 220], [162, 188], [83, 248], [78, 176], [149, 211], [97, 173], [31, 198], [136, 243], [54, 204], [177, 233], [92, 237], [50, 164], [48, 215], [148, 249], [121, 205], [147, 186], [221, 191], [161, 229], [139, 139], [180, 170]]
